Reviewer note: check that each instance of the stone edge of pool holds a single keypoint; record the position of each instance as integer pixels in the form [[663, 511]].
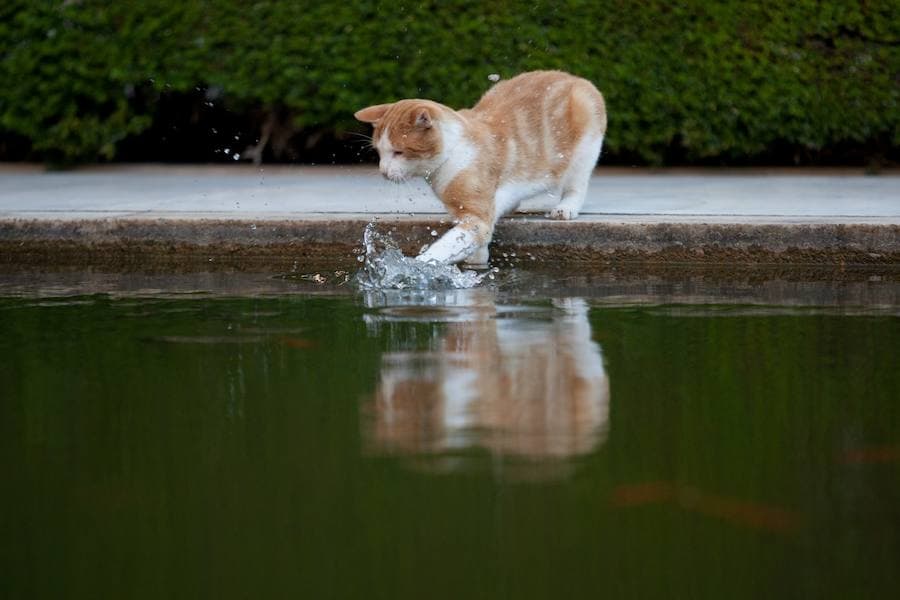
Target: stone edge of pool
[[87, 241]]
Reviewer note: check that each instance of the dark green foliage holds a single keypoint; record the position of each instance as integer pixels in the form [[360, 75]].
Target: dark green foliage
[[684, 81]]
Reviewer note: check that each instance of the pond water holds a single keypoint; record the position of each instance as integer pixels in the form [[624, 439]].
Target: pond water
[[480, 443]]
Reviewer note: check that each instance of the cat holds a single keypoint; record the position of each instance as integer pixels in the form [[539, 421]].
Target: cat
[[522, 388], [538, 133]]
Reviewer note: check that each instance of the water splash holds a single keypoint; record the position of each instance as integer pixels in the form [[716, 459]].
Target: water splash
[[385, 267]]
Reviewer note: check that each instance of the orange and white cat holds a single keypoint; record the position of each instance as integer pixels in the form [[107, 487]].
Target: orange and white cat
[[530, 388], [537, 133]]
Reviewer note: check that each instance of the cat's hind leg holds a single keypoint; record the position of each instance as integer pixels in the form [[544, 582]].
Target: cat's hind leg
[[576, 178]]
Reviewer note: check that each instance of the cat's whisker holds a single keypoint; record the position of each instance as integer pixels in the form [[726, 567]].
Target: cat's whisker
[[363, 140], [359, 135]]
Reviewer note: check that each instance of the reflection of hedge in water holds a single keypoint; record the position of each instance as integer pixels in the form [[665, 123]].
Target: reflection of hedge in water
[[701, 82]]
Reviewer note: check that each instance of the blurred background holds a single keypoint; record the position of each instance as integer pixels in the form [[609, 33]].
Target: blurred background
[[686, 83]]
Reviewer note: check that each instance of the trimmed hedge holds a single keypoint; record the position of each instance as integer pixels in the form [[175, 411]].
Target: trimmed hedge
[[694, 81]]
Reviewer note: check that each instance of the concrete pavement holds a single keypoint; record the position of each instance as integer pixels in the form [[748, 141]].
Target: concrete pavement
[[691, 216], [334, 192]]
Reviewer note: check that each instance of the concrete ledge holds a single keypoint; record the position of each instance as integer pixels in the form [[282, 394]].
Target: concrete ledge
[[337, 241]]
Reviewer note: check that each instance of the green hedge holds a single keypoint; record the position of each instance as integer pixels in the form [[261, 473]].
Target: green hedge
[[697, 81]]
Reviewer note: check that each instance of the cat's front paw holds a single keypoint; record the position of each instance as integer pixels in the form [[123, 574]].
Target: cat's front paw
[[563, 214]]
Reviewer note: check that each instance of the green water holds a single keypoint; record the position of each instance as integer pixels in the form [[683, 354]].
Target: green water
[[320, 447]]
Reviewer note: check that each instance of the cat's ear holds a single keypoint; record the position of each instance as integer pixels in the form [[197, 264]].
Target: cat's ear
[[372, 113], [423, 119]]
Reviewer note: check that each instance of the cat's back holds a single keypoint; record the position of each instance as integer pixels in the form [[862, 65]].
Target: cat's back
[[539, 124], [534, 96]]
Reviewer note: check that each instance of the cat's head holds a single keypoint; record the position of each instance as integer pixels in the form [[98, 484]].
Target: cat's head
[[407, 137]]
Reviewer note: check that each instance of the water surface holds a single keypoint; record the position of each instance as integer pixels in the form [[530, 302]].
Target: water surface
[[462, 443]]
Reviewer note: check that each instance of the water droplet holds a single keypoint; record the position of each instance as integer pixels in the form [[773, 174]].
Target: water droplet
[[385, 267]]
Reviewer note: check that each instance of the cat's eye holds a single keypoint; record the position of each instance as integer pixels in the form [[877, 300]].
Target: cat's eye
[[398, 153]]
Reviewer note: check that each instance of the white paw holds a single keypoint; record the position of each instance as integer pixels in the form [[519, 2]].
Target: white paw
[[429, 260], [563, 214]]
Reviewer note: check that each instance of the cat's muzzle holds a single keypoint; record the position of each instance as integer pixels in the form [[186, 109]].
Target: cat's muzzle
[[395, 177]]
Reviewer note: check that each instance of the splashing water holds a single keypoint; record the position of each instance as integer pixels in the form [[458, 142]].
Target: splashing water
[[385, 267]]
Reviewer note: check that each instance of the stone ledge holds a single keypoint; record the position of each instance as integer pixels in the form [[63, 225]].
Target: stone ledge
[[85, 241]]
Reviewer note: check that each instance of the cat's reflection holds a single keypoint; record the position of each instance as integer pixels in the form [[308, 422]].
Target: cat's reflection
[[521, 382]]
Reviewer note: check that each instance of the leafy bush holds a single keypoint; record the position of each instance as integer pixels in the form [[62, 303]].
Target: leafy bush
[[684, 81]]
